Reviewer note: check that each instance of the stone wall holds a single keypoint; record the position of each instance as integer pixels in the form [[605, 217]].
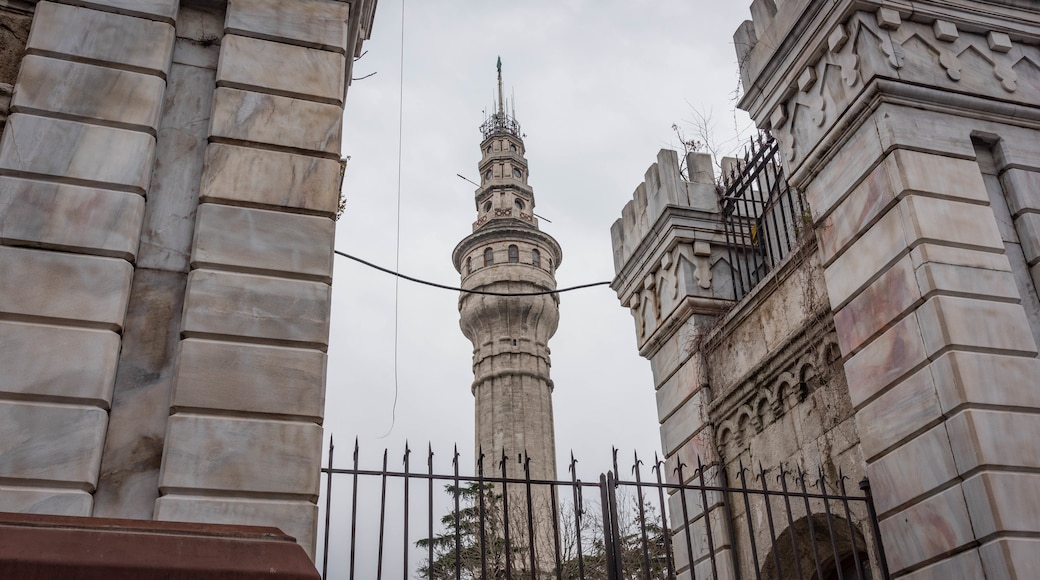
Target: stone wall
[[168, 189], [15, 20]]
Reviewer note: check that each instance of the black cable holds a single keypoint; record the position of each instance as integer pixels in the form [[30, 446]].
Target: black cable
[[481, 292]]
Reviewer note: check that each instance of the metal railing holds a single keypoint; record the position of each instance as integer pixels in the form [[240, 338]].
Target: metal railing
[[764, 218], [490, 526]]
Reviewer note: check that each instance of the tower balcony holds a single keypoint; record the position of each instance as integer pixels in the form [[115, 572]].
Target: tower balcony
[[500, 124]]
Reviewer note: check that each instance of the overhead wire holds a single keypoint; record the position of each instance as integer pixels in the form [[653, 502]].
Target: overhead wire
[[464, 290]]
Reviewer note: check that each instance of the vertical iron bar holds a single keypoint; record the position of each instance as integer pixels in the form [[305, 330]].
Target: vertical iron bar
[[429, 520], [727, 510], [328, 513], [556, 529], [707, 522], [772, 527], [848, 519], [505, 518], [609, 545], [576, 488], [751, 526], [458, 536], [665, 532], [642, 516], [808, 518], [530, 514], [875, 529], [353, 511], [407, 452], [382, 520], [483, 515], [830, 524], [686, 519]]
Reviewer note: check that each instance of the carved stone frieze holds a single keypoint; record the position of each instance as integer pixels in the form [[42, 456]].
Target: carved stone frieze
[[881, 44]]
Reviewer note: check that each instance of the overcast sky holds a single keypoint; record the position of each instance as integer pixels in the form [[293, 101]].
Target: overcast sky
[[598, 85]]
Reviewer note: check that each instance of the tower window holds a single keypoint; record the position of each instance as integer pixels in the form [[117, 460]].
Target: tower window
[[514, 255], [516, 173], [536, 259], [489, 150], [487, 174], [489, 257], [512, 148], [518, 203], [487, 207], [469, 265]]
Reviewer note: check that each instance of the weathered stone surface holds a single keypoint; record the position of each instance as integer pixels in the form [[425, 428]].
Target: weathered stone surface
[[966, 322], [886, 359], [1010, 558], [246, 456], [164, 10], [174, 193], [247, 378], [868, 256], [679, 387], [42, 284], [687, 420], [990, 260], [1028, 228], [316, 23], [306, 73], [933, 465], [263, 241], [929, 218], [13, 35], [964, 378], [963, 566], [50, 85], [877, 306], [1022, 188], [982, 437], [44, 442], [71, 150], [295, 518], [270, 178], [128, 482], [260, 307], [901, 173], [76, 364], [283, 121], [996, 501], [39, 500], [120, 41], [904, 409], [935, 526], [65, 217], [962, 280]]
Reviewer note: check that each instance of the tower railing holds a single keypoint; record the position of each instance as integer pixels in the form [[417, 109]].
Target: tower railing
[[500, 123], [765, 219]]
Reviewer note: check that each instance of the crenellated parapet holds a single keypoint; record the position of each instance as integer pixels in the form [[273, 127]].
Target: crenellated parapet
[[810, 68], [670, 257]]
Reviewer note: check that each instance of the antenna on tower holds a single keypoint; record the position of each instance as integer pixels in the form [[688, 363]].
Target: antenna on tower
[[501, 110]]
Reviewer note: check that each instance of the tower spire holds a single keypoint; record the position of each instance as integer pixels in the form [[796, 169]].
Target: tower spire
[[501, 108]]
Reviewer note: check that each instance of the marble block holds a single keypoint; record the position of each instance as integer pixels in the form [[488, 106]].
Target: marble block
[[963, 566], [894, 416], [315, 23], [90, 154], [968, 378], [928, 529], [914, 469], [48, 85], [307, 73], [295, 518], [1027, 226], [1022, 188], [244, 456], [687, 420], [49, 285], [162, 10], [55, 443], [1009, 558], [84, 220], [240, 175], [874, 309], [975, 324], [173, 193], [292, 312], [283, 121], [992, 438], [292, 245], [886, 359], [1002, 502], [41, 500], [113, 39], [77, 364], [248, 378]]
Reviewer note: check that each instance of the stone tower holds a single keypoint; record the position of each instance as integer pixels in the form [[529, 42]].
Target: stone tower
[[506, 253]]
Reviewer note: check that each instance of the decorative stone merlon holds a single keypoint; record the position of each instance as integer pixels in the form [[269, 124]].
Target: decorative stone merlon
[[669, 246]]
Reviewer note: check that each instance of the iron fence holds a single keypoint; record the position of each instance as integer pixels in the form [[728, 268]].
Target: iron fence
[[764, 218], [786, 525]]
